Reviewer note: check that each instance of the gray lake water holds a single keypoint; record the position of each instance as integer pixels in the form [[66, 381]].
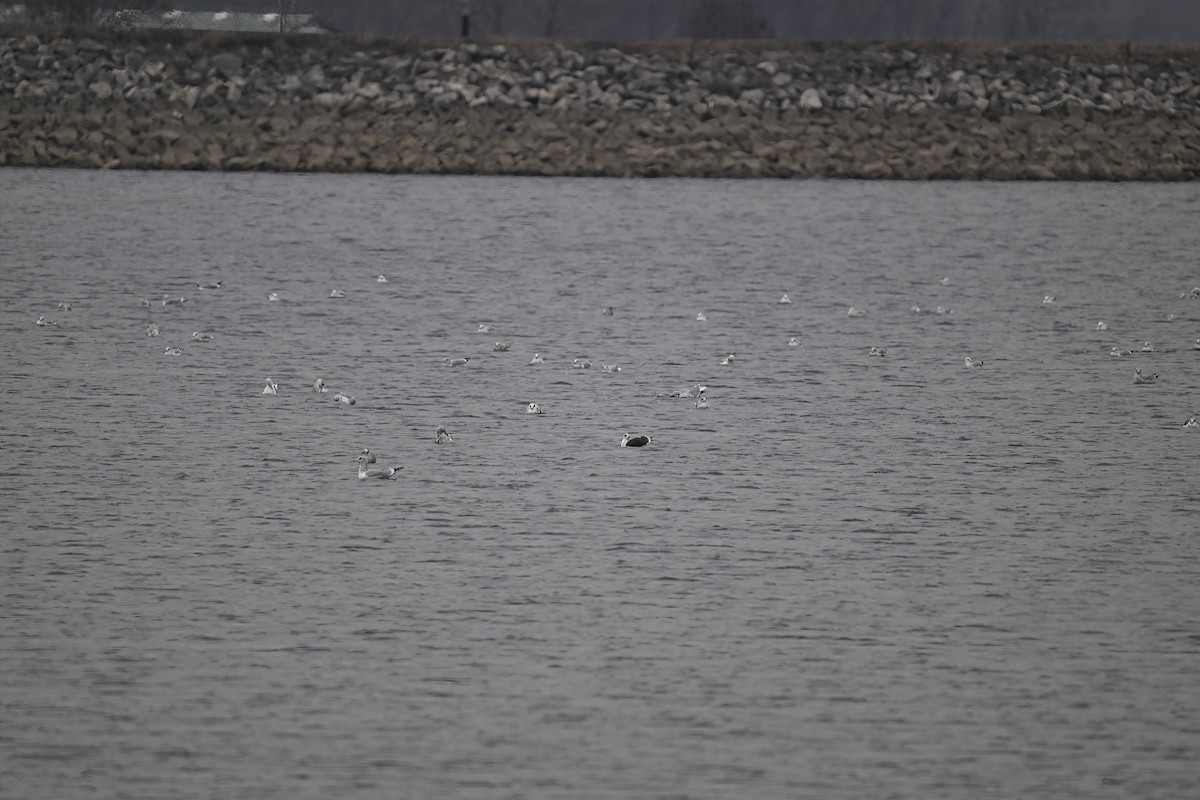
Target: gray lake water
[[850, 577]]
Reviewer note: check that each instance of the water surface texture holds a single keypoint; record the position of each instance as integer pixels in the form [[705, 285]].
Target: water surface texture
[[852, 576]]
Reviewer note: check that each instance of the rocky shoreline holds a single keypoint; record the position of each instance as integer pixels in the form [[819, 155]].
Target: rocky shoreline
[[737, 110]]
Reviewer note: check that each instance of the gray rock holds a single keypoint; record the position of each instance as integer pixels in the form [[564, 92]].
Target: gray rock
[[329, 100], [101, 89], [370, 91], [810, 100], [227, 64]]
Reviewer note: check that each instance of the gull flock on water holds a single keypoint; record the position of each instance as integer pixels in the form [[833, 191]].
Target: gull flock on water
[[366, 458]]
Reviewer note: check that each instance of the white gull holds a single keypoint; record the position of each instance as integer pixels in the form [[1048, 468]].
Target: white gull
[[363, 472]]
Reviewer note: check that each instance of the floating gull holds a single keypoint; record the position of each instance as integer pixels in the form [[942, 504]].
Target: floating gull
[[1191, 423], [877, 351], [167, 300], [319, 386], [1146, 348], [701, 402], [364, 473], [64, 306], [273, 297], [345, 399], [500, 347], [581, 363], [145, 303], [271, 388], [914, 309], [537, 359], [381, 279], [944, 281], [612, 368], [1117, 352], [785, 299], [1102, 326], [607, 311], [701, 317], [1195, 292], [152, 329], [174, 351], [1169, 317], [942, 310], [1196, 345], [533, 408], [454, 362], [197, 336], [794, 341], [1048, 300], [970, 362], [629, 440], [368, 455], [727, 360], [1140, 377], [42, 322], [203, 285], [691, 391], [484, 328], [855, 312], [337, 293], [443, 437]]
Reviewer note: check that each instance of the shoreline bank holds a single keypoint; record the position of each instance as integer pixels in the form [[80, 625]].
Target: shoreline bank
[[741, 110]]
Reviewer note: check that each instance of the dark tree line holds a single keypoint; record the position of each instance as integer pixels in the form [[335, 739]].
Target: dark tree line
[[632, 20]]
